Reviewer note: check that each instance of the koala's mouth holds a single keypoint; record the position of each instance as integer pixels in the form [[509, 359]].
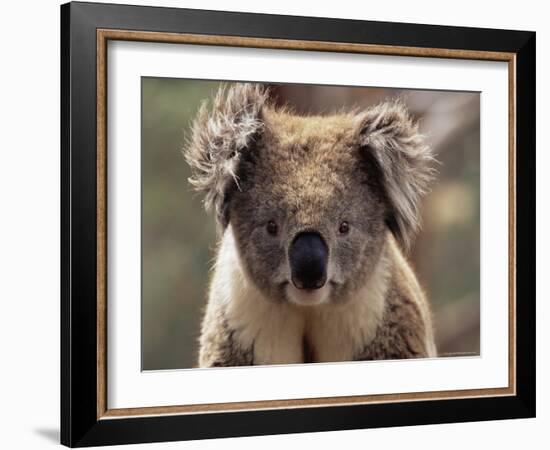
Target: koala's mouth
[[308, 297]]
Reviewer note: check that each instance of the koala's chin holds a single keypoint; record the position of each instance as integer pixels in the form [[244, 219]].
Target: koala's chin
[[308, 297]]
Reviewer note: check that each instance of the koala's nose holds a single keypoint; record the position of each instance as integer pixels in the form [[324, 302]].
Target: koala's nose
[[308, 257]]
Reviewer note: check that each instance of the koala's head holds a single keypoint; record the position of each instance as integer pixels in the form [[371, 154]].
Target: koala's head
[[310, 199]]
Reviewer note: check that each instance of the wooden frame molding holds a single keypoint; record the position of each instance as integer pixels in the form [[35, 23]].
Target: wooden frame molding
[[103, 36]]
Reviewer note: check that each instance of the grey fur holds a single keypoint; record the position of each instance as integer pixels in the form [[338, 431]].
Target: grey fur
[[219, 346]]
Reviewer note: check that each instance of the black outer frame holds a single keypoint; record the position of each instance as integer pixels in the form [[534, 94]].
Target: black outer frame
[[79, 423]]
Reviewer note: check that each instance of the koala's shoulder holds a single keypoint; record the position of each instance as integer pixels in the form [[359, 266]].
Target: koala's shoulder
[[406, 329], [218, 344]]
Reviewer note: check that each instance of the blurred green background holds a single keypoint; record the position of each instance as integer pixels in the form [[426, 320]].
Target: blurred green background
[[178, 237]]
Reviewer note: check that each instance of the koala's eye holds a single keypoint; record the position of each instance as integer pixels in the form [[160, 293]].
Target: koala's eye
[[344, 228], [272, 227]]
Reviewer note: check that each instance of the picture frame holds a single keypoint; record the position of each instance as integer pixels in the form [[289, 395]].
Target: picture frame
[[86, 29]]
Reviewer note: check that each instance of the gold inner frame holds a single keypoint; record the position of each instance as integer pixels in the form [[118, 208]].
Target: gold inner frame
[[104, 35]]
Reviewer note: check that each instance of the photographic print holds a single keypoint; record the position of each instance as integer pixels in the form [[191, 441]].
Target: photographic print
[[293, 223]]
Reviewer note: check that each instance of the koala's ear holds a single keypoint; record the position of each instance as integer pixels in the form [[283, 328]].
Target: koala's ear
[[219, 137], [390, 138]]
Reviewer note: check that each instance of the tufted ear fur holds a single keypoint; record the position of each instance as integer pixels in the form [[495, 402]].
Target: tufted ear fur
[[219, 138], [389, 136]]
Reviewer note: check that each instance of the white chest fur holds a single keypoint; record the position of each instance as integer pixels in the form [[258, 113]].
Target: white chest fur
[[278, 330], [338, 332]]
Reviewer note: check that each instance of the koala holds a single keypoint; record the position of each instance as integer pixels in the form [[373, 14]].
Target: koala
[[315, 215]]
